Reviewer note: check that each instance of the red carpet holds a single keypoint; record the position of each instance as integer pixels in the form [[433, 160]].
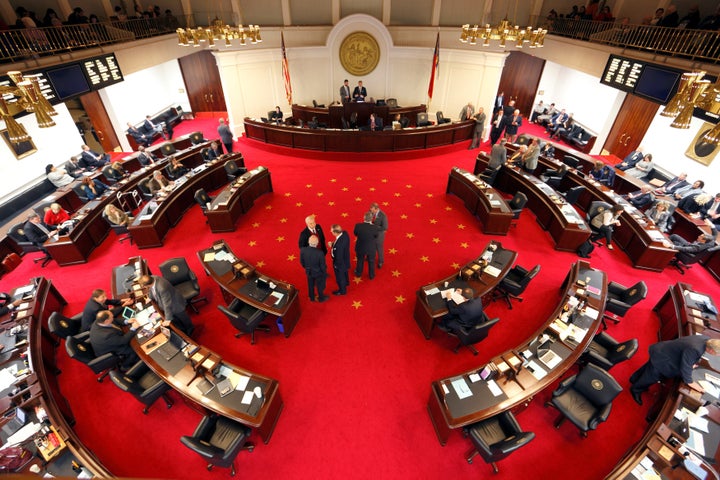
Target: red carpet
[[355, 375]]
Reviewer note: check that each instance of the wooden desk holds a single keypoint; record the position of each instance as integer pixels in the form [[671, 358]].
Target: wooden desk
[[481, 200], [335, 140], [231, 286], [237, 198], [332, 115], [123, 279], [448, 412], [430, 307], [149, 229], [261, 414]]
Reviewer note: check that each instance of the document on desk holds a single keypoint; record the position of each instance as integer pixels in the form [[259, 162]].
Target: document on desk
[[248, 397], [209, 257], [242, 381], [279, 296], [492, 271], [695, 442], [461, 388], [710, 388], [536, 370], [7, 376], [698, 423], [431, 291], [494, 388]]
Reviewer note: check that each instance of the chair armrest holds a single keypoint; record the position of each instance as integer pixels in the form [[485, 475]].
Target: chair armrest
[[601, 416], [564, 385], [513, 443], [137, 370], [201, 447], [606, 340]]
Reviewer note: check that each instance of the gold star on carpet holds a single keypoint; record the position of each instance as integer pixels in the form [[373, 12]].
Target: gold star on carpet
[[447, 209], [418, 205], [320, 194], [256, 224], [299, 204], [464, 245], [280, 238], [392, 251], [385, 204], [268, 207], [252, 243], [384, 180], [333, 180], [399, 299], [436, 240], [357, 304], [260, 263], [357, 280], [410, 235], [461, 226], [424, 259], [372, 189], [403, 216], [455, 266], [309, 185], [288, 194], [331, 204], [433, 221], [283, 220], [345, 189], [358, 199], [396, 273], [429, 195], [359, 179], [397, 194], [344, 215], [408, 186], [291, 257]]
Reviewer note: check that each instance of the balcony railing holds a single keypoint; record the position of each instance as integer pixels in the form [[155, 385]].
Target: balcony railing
[[698, 45]]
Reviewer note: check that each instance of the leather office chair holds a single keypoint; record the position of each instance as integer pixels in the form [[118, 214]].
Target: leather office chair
[[79, 347], [168, 149], [110, 174], [218, 440], [205, 154], [197, 138], [202, 199], [178, 273], [596, 208], [514, 284], [422, 119], [572, 195], [553, 177], [318, 105], [470, 336], [585, 399], [440, 118], [80, 193], [143, 384], [621, 298], [606, 352], [571, 161], [9, 263], [609, 179], [496, 438], [42, 208], [683, 261], [517, 204], [245, 318], [489, 175], [63, 326], [122, 231], [391, 102], [17, 234], [232, 169], [145, 188]]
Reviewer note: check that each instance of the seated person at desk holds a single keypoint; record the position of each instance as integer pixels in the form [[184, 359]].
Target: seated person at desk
[[696, 205], [276, 115], [672, 186], [314, 124], [712, 215], [465, 314], [641, 198], [516, 159], [345, 92], [689, 190], [106, 336], [213, 152], [642, 168], [603, 223], [117, 216], [374, 123], [144, 157], [169, 300], [402, 122], [705, 241], [92, 188], [159, 183], [100, 302], [117, 172], [138, 136], [55, 215], [359, 93], [176, 169], [73, 167], [57, 176], [631, 159], [548, 150], [92, 160], [602, 173], [563, 127], [36, 231], [659, 214]]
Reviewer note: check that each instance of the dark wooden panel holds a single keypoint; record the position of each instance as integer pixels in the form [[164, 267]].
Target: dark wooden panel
[[95, 109], [520, 79], [630, 125], [202, 82]]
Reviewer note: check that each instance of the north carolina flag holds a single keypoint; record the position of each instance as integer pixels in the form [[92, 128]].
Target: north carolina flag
[[435, 66], [286, 71]]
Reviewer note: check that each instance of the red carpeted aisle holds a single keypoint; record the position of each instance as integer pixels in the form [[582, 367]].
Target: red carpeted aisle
[[355, 375]]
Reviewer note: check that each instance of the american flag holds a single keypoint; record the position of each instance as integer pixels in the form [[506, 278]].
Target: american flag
[[286, 71], [435, 67]]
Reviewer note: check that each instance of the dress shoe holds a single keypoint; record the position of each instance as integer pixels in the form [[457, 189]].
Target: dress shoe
[[637, 396], [380, 265], [338, 292], [312, 299], [373, 277], [358, 274], [323, 298]]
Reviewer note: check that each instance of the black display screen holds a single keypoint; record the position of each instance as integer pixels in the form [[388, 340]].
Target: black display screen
[[68, 81]]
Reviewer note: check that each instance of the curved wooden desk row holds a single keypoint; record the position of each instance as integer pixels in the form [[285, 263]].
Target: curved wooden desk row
[[482, 275], [333, 140], [464, 399], [40, 389], [235, 276], [332, 116], [237, 198], [679, 316], [481, 200]]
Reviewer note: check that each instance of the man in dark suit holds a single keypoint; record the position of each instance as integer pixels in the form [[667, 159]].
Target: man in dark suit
[[704, 242], [152, 128], [374, 123], [631, 159], [93, 160], [641, 198], [106, 336], [345, 92], [340, 251], [671, 186], [73, 167], [139, 137], [359, 93], [144, 157], [35, 230], [381, 221], [310, 229], [169, 300], [365, 244], [313, 261], [465, 314], [99, 302], [672, 359], [497, 126]]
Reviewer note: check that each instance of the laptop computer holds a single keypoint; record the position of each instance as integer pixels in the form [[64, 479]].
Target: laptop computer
[[16, 423], [260, 290], [128, 313]]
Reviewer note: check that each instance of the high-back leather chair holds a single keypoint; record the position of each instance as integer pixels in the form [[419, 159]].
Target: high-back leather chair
[[391, 102], [202, 199], [422, 119], [470, 336], [517, 204], [17, 234], [572, 195], [79, 348], [606, 352], [111, 174], [489, 175], [245, 318], [80, 193], [197, 138], [571, 161], [596, 208], [168, 149], [178, 273], [496, 437], [9, 263], [145, 188], [440, 118], [585, 399], [218, 440], [232, 170], [122, 231], [621, 298], [514, 284], [143, 384], [63, 326], [683, 260]]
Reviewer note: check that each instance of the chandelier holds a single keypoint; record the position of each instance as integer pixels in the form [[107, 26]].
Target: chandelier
[[218, 31], [694, 92], [504, 32], [26, 96]]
